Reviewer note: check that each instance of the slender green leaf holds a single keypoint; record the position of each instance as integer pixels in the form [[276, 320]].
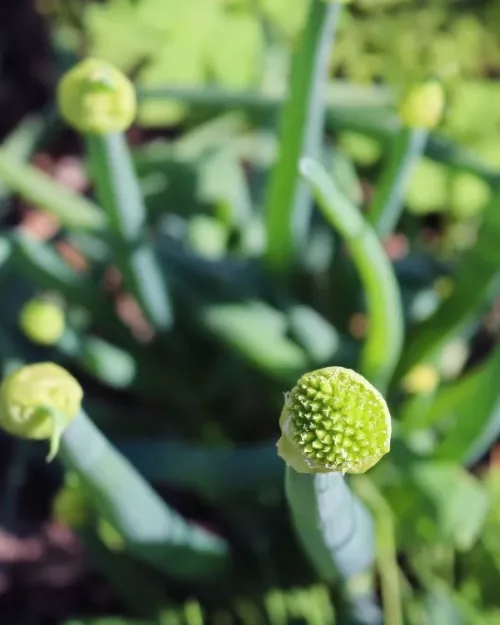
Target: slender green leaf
[[20, 144], [213, 472], [72, 210], [469, 410], [257, 332], [385, 208], [288, 203], [149, 527], [366, 110], [314, 333], [385, 338], [120, 194]]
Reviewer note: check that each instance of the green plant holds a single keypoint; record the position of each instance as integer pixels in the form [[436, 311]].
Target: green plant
[[196, 302]]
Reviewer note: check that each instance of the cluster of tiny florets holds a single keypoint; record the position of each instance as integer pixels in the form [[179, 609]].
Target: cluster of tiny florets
[[338, 421]]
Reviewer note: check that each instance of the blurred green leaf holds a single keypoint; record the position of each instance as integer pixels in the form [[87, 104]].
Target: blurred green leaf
[[314, 333], [213, 472], [150, 528], [20, 144], [439, 503], [257, 332], [472, 287], [118, 189], [71, 209], [288, 203]]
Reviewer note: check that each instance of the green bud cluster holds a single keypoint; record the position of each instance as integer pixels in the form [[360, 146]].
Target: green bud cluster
[[334, 420]]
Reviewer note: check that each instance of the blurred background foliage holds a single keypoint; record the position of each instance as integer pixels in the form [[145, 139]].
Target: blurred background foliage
[[393, 42], [196, 410]]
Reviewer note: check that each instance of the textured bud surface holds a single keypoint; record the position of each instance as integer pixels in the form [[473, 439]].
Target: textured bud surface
[[334, 420], [97, 98], [423, 106], [27, 395], [42, 322]]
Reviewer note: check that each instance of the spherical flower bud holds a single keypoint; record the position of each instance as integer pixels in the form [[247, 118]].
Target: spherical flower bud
[[42, 321], [95, 97], [334, 420], [423, 105], [39, 401]]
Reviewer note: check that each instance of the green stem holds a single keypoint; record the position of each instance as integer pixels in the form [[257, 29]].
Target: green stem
[[333, 526], [386, 549], [384, 343], [385, 209], [288, 203], [119, 192], [150, 529]]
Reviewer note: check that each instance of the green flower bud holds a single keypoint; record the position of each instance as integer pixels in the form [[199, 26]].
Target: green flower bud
[[42, 321], [39, 401], [423, 105], [334, 420], [94, 97], [71, 506]]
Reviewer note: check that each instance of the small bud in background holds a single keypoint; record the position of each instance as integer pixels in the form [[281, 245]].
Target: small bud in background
[[71, 506], [334, 421], [43, 322], [95, 97], [421, 379], [39, 401], [423, 105]]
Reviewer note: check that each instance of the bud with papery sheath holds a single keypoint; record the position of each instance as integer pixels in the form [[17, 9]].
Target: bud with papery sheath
[[423, 105], [334, 420], [95, 97]]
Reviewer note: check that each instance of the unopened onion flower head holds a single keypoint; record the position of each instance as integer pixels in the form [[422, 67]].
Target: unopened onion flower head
[[32, 394], [334, 420], [95, 97]]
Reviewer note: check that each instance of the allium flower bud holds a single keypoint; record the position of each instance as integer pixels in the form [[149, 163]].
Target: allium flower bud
[[334, 420], [42, 321], [39, 401], [95, 97], [423, 105]]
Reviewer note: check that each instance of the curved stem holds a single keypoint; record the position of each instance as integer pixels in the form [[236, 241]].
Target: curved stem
[[385, 334]]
